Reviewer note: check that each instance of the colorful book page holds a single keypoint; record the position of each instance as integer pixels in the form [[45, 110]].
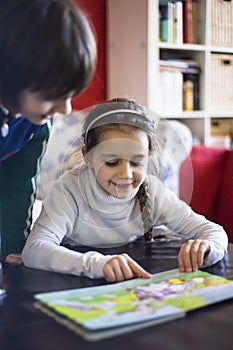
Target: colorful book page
[[166, 295]]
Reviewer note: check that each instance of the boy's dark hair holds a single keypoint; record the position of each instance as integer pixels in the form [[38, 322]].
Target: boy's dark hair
[[46, 46]]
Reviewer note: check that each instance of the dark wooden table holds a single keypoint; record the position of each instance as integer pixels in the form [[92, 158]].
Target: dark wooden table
[[24, 327]]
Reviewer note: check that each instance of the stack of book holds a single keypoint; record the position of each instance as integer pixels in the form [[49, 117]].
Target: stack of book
[[179, 22], [179, 86]]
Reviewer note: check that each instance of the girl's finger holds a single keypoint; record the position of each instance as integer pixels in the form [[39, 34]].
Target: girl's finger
[[138, 271], [192, 254], [117, 269], [122, 267], [204, 249], [181, 262], [194, 249], [184, 258], [109, 273]]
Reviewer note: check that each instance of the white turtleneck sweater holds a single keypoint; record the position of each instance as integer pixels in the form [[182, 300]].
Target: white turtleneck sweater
[[77, 211]]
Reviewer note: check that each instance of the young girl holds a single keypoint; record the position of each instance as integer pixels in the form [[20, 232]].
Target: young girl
[[47, 55], [112, 200]]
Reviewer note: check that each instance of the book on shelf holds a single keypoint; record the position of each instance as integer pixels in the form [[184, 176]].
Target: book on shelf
[[188, 21], [179, 21], [179, 86], [191, 21], [191, 91], [171, 22], [179, 63], [163, 23], [171, 92], [112, 309]]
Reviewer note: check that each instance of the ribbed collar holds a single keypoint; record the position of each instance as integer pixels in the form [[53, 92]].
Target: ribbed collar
[[99, 200]]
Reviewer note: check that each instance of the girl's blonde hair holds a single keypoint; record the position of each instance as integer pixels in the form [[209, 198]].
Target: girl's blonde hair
[[116, 113]]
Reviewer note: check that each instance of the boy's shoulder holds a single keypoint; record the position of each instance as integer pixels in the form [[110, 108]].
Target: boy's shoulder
[[21, 131]]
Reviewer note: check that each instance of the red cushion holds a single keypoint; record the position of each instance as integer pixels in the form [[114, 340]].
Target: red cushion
[[224, 215], [207, 167]]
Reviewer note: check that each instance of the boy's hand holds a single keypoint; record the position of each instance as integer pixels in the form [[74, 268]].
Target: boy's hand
[[192, 254], [122, 267], [14, 259]]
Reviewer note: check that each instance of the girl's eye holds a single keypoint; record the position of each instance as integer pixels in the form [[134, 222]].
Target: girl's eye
[[112, 163], [137, 163], [115, 163]]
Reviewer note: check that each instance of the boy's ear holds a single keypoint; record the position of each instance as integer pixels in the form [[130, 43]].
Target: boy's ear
[[86, 157]]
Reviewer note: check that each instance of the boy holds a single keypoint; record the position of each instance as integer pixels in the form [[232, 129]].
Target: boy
[[47, 56]]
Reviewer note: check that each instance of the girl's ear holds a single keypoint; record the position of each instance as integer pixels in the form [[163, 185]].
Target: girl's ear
[[86, 157]]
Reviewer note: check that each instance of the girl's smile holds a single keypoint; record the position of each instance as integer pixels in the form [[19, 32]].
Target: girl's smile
[[123, 186]]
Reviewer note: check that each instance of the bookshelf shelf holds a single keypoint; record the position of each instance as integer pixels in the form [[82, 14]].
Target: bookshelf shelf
[[135, 51], [191, 47], [222, 115], [220, 49], [188, 115]]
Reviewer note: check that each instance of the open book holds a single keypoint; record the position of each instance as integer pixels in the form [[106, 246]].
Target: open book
[[112, 309]]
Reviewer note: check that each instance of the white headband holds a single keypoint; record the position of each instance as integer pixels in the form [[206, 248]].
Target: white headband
[[108, 113]]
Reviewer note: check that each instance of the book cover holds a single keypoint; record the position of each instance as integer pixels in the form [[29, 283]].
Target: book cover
[[171, 92], [179, 22], [163, 23], [171, 21], [105, 311], [188, 21]]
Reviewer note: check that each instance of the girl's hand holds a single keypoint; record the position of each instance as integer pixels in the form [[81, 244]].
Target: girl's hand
[[122, 267], [192, 254]]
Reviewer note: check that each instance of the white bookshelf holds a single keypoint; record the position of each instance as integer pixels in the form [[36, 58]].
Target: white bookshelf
[[133, 53]]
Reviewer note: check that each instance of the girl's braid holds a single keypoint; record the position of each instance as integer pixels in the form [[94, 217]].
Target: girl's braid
[[143, 198]]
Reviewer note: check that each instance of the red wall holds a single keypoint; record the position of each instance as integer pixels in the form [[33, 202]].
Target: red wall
[[96, 91]]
